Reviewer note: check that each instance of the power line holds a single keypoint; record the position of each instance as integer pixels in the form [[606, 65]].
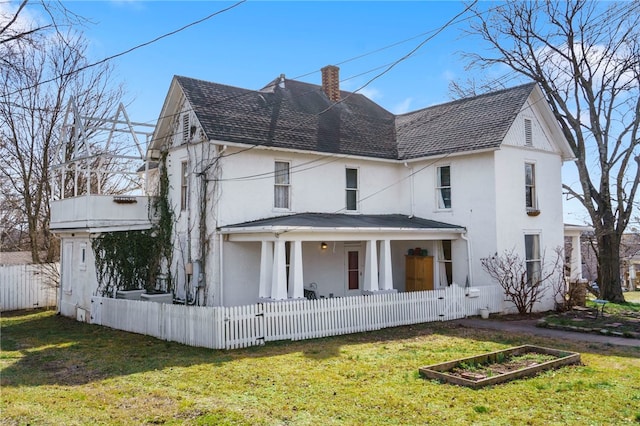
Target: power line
[[109, 58], [403, 58]]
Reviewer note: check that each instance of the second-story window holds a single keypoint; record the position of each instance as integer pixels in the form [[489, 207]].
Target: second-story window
[[444, 187], [352, 189], [282, 185], [184, 186], [530, 186]]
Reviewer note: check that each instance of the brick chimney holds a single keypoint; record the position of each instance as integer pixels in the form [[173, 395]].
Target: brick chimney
[[331, 82]]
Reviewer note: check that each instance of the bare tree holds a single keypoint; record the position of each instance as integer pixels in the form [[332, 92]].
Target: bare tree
[[46, 72], [21, 26], [524, 284], [585, 56]]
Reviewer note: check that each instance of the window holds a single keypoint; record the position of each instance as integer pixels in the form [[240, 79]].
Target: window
[[532, 255], [352, 189], [528, 134], [444, 187], [282, 185], [83, 256], [530, 186], [445, 263], [185, 128], [184, 186]]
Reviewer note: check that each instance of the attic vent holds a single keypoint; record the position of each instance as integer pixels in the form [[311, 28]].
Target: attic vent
[[185, 128], [528, 135]]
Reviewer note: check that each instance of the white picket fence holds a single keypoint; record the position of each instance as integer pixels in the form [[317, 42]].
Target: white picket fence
[[27, 286], [243, 326]]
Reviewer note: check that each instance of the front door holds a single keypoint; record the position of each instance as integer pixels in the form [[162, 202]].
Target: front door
[[353, 268]]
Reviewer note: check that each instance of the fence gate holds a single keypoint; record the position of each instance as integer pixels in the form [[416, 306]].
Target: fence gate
[[244, 326], [453, 304]]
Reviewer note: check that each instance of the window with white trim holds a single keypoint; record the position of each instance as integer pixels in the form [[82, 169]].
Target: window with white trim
[[352, 189], [528, 132], [530, 186], [184, 186], [445, 261], [532, 257], [443, 189], [282, 185]]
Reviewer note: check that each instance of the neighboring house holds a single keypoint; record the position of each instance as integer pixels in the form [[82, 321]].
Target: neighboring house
[[629, 259], [298, 189]]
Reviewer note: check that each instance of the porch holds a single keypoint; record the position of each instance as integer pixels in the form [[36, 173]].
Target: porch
[[317, 255]]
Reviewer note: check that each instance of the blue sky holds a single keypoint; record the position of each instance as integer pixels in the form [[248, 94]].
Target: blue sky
[[257, 41]]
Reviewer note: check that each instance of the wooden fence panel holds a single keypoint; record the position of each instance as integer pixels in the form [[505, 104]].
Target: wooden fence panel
[[28, 286]]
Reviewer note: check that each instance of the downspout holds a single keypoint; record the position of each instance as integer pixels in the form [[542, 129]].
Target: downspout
[[217, 192], [470, 276], [221, 269], [411, 195]]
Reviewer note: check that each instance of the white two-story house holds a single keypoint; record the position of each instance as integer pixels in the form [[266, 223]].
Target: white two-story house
[[298, 190]]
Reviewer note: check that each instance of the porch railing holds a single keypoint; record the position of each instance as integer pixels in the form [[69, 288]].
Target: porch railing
[[243, 326]]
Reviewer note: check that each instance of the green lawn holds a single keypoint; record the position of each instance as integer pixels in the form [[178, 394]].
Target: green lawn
[[57, 371]]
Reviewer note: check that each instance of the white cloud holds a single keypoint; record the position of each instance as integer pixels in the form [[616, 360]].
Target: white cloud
[[449, 75], [402, 107], [25, 19], [371, 93]]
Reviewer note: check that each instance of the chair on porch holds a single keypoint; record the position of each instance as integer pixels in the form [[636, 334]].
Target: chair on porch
[[310, 291]]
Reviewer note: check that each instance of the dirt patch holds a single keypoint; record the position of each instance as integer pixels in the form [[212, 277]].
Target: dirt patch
[[508, 364]]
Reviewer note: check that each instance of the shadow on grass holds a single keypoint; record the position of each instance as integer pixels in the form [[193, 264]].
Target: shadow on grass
[[58, 350]]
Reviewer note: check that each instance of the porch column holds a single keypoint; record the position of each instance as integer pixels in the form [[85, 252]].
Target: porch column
[[266, 269], [279, 275], [371, 267], [386, 276], [576, 259], [296, 284]]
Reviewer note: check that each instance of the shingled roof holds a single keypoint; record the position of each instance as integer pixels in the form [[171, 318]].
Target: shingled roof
[[470, 124], [345, 221], [296, 115]]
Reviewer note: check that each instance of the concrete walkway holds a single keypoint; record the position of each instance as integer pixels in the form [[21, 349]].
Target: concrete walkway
[[529, 327]]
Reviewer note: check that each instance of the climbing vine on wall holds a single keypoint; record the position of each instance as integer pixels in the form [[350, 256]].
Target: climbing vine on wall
[[130, 260]]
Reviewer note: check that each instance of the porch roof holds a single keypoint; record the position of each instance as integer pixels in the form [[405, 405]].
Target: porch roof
[[335, 222]]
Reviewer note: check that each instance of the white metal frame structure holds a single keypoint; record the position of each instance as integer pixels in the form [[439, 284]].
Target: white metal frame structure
[[94, 150]]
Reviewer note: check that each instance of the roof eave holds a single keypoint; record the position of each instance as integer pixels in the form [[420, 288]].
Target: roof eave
[[350, 229]]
